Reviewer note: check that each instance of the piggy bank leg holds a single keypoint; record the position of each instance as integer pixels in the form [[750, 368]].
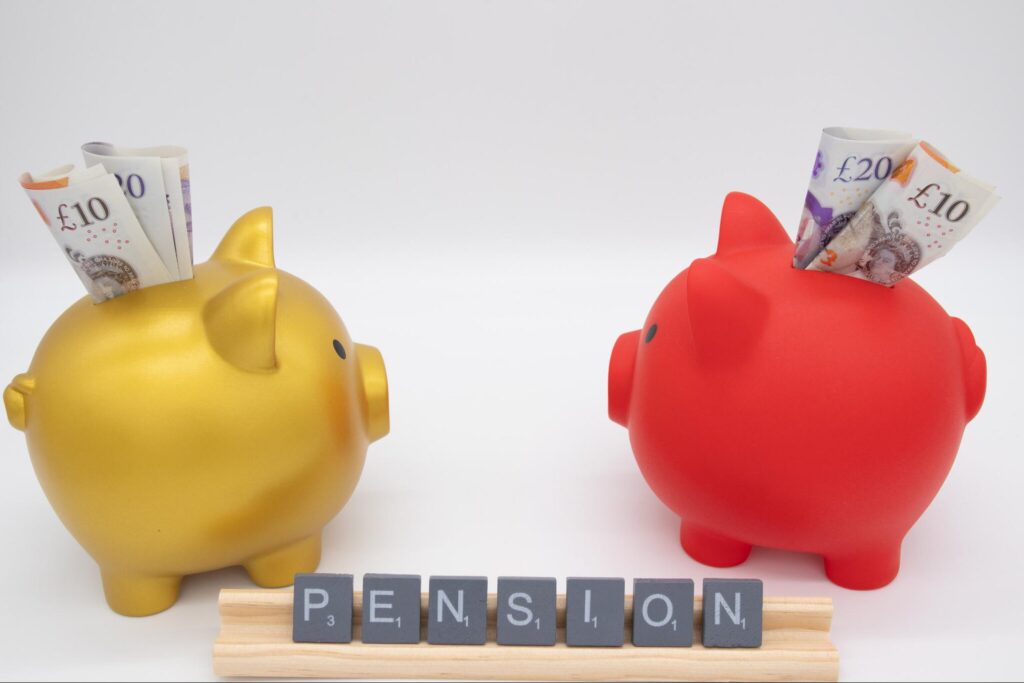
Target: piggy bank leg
[[140, 596], [712, 549], [865, 569], [278, 568]]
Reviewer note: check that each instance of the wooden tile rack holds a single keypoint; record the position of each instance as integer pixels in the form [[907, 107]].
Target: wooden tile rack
[[256, 641]]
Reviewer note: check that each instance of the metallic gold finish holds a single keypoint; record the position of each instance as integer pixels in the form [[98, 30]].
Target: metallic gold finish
[[201, 424]]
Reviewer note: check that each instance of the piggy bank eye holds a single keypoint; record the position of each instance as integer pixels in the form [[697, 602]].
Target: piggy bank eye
[[339, 349], [651, 331]]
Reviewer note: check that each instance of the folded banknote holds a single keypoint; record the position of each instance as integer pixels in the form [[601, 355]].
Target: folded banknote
[[912, 219], [155, 181], [850, 164], [90, 218]]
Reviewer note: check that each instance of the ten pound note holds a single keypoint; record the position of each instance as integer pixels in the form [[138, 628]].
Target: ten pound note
[[90, 218], [851, 163], [926, 207]]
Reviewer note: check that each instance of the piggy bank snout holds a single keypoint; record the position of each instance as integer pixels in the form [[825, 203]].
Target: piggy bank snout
[[375, 389], [620, 376]]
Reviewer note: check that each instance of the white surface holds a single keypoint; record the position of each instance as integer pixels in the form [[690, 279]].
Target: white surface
[[490, 193]]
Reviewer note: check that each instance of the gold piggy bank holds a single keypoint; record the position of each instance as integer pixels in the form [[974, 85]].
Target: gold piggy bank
[[207, 423]]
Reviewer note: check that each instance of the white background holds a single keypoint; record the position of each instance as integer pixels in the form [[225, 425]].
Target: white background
[[490, 193]]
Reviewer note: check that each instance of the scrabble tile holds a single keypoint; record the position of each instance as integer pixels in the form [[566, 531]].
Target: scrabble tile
[[526, 611], [663, 612], [391, 608], [457, 610], [595, 612], [322, 609], [733, 611]]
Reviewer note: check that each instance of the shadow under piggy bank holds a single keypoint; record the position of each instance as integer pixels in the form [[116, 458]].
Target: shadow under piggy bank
[[206, 423]]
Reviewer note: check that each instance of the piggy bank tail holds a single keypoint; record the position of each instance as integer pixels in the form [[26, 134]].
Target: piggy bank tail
[[975, 368], [16, 400]]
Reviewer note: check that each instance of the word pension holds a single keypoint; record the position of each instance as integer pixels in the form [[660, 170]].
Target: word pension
[[526, 611]]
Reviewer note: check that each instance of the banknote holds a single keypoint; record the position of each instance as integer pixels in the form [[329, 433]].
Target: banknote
[[90, 218], [155, 180], [915, 217], [850, 164]]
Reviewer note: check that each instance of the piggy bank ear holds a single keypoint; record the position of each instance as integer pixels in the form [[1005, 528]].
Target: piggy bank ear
[[727, 315], [241, 322], [747, 224], [250, 240]]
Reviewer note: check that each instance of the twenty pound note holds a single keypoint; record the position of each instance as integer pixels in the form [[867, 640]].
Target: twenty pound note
[[155, 181], [92, 222], [926, 207], [851, 163]]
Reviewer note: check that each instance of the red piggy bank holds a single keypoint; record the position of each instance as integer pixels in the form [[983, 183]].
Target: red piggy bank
[[792, 409]]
